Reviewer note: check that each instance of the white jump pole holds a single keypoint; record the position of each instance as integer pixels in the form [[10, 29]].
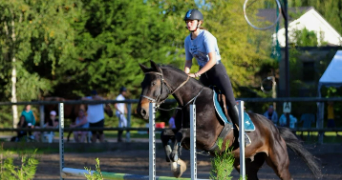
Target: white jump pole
[[193, 156], [152, 142], [242, 140], [61, 139]]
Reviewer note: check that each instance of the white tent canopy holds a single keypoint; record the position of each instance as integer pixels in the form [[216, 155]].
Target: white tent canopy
[[332, 77], [333, 74]]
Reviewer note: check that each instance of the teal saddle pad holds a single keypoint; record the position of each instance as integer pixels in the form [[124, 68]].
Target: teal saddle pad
[[249, 126]]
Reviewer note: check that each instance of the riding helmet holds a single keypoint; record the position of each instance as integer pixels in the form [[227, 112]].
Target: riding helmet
[[193, 14], [122, 89]]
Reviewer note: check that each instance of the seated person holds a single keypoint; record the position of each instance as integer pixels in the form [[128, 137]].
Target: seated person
[[282, 120], [21, 124], [29, 117], [81, 122], [271, 115], [51, 123]]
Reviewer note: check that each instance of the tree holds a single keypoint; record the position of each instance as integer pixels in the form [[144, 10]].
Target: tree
[[243, 49], [115, 37], [34, 32]]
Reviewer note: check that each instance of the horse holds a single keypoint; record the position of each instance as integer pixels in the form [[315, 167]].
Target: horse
[[268, 142], [70, 110]]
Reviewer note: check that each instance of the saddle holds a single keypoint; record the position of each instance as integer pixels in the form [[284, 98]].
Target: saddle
[[221, 108], [222, 100]]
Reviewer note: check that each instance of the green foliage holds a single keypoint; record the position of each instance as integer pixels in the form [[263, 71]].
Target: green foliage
[[67, 48], [222, 163], [9, 170], [39, 36], [305, 37], [243, 49], [96, 175]]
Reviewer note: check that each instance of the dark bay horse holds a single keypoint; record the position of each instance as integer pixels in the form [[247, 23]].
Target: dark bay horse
[[268, 143], [70, 110]]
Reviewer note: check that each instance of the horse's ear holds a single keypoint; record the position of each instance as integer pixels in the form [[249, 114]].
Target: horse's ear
[[143, 68], [155, 67]]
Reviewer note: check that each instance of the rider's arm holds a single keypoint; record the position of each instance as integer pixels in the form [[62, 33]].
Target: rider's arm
[[188, 64], [188, 56]]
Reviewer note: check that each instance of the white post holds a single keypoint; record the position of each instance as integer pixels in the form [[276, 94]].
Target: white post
[[193, 156], [242, 140], [152, 141], [61, 140]]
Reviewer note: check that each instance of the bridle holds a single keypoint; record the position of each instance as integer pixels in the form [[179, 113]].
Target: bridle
[[158, 100]]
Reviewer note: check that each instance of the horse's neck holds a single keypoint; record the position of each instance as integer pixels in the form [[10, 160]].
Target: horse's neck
[[188, 92]]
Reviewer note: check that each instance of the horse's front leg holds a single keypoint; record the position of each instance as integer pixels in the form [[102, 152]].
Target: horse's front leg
[[165, 137], [179, 137]]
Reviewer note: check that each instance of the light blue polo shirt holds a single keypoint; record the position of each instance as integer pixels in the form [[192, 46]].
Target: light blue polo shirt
[[199, 48]]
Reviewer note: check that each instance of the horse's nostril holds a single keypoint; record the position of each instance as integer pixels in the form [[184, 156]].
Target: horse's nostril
[[143, 112]]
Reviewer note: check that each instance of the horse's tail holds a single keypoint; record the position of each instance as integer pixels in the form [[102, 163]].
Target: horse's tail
[[293, 142]]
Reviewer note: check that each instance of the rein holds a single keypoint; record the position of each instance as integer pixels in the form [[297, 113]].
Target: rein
[[158, 101]]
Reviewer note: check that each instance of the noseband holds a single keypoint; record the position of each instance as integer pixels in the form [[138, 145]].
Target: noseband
[[158, 100]]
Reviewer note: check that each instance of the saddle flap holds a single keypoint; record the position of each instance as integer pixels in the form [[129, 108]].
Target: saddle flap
[[222, 101], [223, 113]]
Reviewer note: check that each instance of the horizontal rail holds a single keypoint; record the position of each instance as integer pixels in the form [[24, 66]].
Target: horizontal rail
[[132, 101], [145, 129], [66, 172], [81, 129]]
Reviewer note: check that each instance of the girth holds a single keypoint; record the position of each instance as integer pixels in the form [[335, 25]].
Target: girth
[[226, 129]]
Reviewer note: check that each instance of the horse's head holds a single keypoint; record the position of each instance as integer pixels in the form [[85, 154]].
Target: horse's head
[[154, 88]]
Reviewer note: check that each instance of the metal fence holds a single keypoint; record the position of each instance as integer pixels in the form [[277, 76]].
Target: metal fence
[[318, 102]]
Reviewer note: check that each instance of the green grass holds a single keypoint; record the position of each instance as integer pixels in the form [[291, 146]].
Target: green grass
[[311, 137]]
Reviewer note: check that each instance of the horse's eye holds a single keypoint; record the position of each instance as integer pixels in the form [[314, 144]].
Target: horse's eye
[[153, 83]]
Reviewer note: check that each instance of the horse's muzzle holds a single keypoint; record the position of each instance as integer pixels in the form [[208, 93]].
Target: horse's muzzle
[[143, 110]]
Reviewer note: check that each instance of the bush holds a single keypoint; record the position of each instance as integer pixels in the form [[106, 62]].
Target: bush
[[222, 163], [25, 170]]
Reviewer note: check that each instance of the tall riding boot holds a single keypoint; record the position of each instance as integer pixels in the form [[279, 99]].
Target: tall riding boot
[[120, 135], [234, 114]]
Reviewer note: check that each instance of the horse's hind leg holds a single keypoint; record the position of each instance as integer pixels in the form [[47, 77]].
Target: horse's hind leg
[[278, 159], [253, 166]]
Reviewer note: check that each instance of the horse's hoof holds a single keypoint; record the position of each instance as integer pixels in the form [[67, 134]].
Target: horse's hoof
[[178, 168]]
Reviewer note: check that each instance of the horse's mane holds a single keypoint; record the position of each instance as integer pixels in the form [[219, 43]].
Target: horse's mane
[[172, 67], [180, 72]]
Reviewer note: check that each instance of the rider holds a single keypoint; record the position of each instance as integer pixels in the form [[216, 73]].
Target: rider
[[202, 45]]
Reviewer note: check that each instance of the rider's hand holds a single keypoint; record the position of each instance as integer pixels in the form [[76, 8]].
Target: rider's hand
[[192, 75]]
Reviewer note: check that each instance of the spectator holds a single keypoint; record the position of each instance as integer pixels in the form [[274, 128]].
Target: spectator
[[51, 123], [121, 110], [331, 116], [29, 116], [271, 115], [172, 124], [95, 116], [283, 122], [21, 124], [81, 122]]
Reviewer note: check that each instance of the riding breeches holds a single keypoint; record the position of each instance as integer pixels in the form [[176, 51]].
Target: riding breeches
[[218, 76]]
